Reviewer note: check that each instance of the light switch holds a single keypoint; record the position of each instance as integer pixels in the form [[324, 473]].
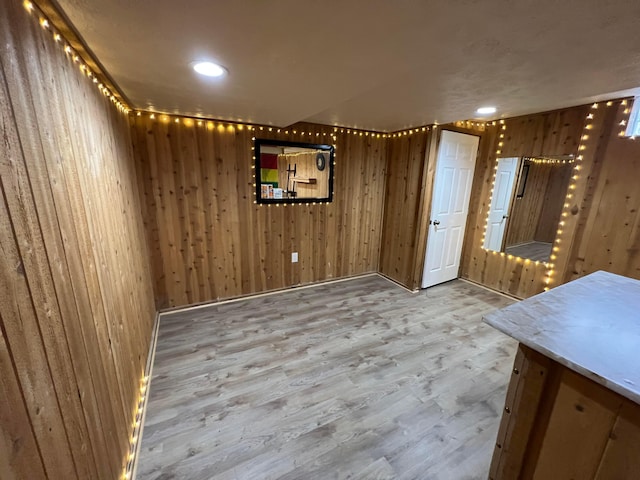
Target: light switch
[[294, 257]]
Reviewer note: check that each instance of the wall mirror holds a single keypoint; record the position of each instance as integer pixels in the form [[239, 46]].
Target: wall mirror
[[526, 205], [293, 172]]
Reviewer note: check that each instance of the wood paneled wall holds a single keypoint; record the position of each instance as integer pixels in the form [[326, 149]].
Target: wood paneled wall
[[602, 226], [194, 264], [208, 238], [76, 301], [411, 162], [535, 216], [553, 201], [76, 305], [544, 134], [525, 212], [607, 204], [406, 183]]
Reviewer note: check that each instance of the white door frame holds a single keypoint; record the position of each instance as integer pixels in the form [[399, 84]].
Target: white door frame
[[446, 243], [501, 202]]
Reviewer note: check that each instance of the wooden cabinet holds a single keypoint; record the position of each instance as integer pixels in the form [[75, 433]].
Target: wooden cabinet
[[558, 424], [572, 409]]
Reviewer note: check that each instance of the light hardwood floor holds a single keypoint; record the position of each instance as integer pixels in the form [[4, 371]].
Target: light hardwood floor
[[358, 379], [536, 251]]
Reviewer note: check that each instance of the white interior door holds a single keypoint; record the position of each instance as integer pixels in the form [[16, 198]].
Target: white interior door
[[500, 203], [455, 164]]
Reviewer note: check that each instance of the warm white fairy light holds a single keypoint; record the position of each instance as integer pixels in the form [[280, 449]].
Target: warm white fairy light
[[573, 186], [136, 429], [472, 124], [549, 161], [625, 122], [68, 50], [493, 182], [549, 276]]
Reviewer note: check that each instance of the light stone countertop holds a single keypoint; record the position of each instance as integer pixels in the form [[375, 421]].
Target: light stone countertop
[[590, 325]]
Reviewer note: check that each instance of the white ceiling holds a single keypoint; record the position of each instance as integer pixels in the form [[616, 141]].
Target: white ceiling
[[375, 64]]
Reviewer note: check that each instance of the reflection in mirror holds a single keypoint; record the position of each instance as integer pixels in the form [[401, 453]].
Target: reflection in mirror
[[293, 172], [527, 201]]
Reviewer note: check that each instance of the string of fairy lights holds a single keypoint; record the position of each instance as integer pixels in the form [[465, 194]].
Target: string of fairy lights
[[577, 162], [233, 127], [548, 161], [87, 71], [73, 55], [299, 133], [137, 427], [582, 148], [501, 135], [623, 122]]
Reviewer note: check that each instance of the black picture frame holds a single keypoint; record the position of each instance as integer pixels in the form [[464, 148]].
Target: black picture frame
[[259, 143]]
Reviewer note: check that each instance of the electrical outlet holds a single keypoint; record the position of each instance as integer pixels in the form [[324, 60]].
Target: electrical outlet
[[294, 257]]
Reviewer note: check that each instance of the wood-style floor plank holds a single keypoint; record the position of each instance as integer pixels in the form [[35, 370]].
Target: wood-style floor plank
[[357, 379], [535, 251]]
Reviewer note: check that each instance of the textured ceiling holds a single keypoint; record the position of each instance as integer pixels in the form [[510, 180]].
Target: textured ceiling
[[375, 64]]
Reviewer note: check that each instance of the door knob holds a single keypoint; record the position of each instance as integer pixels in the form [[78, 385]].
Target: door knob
[[505, 216], [436, 222]]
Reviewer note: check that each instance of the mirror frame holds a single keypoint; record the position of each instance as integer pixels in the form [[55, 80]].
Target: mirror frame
[[259, 142], [569, 158]]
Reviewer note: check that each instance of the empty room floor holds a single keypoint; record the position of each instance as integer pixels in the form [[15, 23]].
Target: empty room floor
[[354, 379], [536, 251]]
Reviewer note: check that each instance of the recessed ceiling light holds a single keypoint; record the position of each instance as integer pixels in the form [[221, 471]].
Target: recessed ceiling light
[[486, 110], [209, 69]]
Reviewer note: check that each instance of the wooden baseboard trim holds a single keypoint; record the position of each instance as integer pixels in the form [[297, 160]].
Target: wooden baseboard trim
[[397, 283], [512, 297], [239, 298], [148, 372]]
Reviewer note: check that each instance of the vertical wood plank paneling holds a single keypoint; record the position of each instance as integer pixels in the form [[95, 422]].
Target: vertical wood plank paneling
[[70, 281], [76, 303], [423, 212], [601, 230], [215, 242], [526, 211], [553, 202], [20, 322], [523, 398], [406, 159], [620, 459], [20, 330], [583, 415], [608, 235], [43, 252], [78, 243], [409, 185], [584, 195], [19, 454], [547, 407], [549, 133]]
